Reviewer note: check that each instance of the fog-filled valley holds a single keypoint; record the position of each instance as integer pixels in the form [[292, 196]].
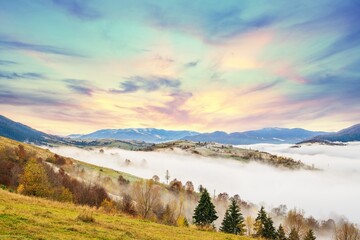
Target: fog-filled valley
[[330, 192]]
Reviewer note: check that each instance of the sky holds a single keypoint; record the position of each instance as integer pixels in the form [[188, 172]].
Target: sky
[[71, 66]]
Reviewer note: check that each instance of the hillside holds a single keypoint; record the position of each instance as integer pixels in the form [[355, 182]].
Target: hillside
[[23, 217], [139, 134], [216, 150], [20, 132], [72, 167], [266, 135], [346, 135]]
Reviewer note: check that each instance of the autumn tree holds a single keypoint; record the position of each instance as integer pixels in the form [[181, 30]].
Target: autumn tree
[[347, 231], [295, 219], [176, 185], [169, 216], [147, 196], [205, 213], [249, 222], [21, 152], [189, 187], [233, 221], [34, 180]]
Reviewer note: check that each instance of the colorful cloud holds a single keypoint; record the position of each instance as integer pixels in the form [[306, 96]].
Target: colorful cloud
[[234, 65]]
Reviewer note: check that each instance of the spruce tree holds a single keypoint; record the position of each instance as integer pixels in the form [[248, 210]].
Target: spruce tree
[[281, 233], [205, 213], [310, 235], [233, 221], [294, 235], [259, 222], [269, 229], [264, 226]]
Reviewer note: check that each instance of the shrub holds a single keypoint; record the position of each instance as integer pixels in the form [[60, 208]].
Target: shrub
[[127, 205], [182, 222], [86, 216], [108, 206], [62, 194], [122, 180]]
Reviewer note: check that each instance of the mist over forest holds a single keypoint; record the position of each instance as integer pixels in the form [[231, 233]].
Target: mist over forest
[[330, 192]]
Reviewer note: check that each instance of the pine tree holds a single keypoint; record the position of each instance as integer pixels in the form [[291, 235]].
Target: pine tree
[[281, 233], [233, 221], [310, 235], [294, 235], [259, 222], [269, 229], [205, 213], [264, 226]]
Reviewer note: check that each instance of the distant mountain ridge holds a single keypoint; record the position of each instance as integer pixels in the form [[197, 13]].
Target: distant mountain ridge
[[23, 133], [346, 135], [138, 134], [265, 135], [20, 132]]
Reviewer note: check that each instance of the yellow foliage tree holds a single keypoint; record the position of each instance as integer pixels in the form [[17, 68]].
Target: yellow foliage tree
[[34, 180]]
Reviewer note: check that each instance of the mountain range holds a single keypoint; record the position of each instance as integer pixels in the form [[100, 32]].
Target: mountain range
[[265, 135], [346, 135], [139, 134], [23, 133]]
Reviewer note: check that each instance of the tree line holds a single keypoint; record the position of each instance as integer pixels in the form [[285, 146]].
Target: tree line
[[234, 223]]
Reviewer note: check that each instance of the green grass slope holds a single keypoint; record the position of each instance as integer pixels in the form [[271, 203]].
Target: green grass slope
[[23, 217]]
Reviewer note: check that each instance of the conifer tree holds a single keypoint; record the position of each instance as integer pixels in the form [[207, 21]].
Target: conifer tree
[[310, 235], [269, 229], [259, 222], [205, 213], [233, 221], [294, 235], [281, 233], [264, 226]]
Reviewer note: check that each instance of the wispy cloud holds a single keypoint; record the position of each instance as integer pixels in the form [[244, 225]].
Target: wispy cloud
[[6, 62], [171, 109], [28, 75], [147, 84], [83, 87], [18, 98], [191, 64], [262, 87], [19, 45], [79, 9]]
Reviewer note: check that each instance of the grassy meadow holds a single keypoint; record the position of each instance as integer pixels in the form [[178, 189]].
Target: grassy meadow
[[23, 217]]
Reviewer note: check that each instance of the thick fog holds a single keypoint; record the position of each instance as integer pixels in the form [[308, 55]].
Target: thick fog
[[331, 192]]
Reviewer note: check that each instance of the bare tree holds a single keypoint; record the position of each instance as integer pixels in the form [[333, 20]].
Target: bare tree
[[295, 220], [167, 176], [147, 196], [189, 187], [347, 231]]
